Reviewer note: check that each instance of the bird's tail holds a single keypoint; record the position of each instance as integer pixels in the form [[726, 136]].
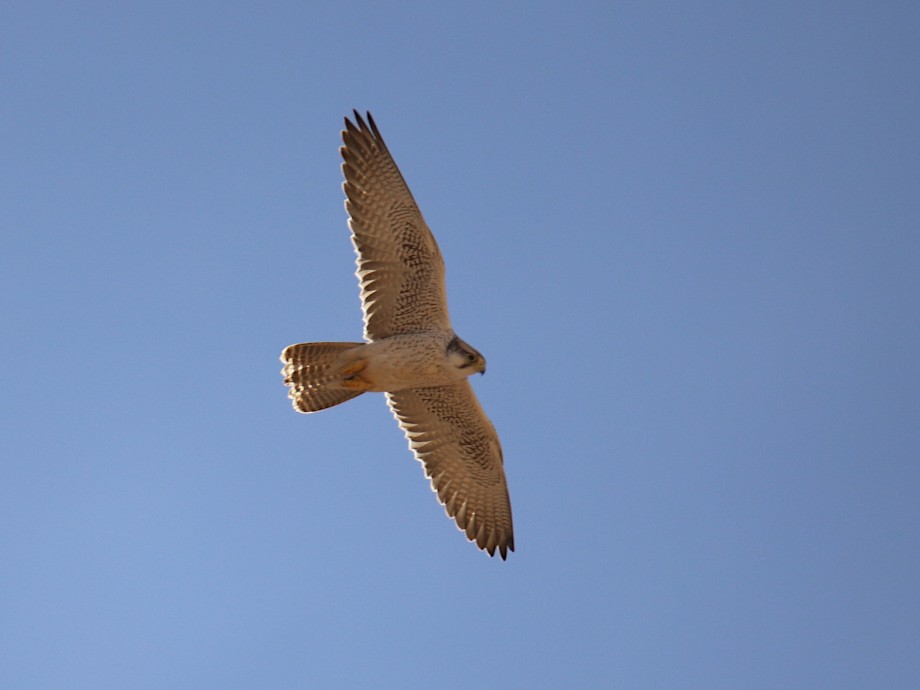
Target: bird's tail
[[314, 373]]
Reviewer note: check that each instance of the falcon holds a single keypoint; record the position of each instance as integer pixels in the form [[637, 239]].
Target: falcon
[[411, 353]]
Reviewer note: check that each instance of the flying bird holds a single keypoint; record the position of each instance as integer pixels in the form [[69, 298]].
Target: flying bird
[[411, 353]]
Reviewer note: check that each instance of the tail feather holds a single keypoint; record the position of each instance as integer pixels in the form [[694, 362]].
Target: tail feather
[[312, 370]]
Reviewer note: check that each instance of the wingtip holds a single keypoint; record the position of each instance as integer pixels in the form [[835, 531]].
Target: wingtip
[[359, 119], [362, 124], [502, 550], [373, 125], [505, 548]]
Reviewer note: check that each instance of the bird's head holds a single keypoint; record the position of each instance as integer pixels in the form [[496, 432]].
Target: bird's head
[[465, 358]]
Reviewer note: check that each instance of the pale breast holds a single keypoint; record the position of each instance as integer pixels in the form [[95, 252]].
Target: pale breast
[[417, 360]]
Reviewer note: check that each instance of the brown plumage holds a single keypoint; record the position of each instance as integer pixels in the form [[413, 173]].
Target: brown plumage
[[412, 353]]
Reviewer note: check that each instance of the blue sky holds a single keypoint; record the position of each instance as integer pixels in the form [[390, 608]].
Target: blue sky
[[685, 235]]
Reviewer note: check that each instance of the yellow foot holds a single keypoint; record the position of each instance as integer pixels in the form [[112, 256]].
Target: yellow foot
[[350, 377]]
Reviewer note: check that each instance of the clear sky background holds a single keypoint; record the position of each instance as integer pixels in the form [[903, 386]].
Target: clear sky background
[[685, 235]]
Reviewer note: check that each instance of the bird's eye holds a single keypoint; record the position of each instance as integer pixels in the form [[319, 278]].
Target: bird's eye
[[471, 358]]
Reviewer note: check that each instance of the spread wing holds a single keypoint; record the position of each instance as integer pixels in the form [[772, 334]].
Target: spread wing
[[456, 443], [400, 268]]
